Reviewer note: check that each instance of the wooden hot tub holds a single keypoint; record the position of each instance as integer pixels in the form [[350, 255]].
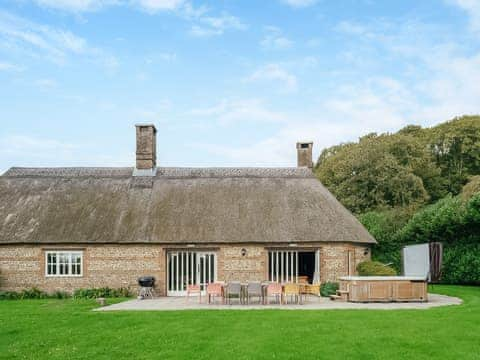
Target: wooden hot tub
[[384, 288]]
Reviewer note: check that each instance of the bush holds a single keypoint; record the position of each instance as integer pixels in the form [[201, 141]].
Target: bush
[[101, 292], [32, 293], [375, 268], [461, 264], [60, 295], [328, 288], [9, 295], [78, 294]]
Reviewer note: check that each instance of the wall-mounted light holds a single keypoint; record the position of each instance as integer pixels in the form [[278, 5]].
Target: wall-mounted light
[[366, 251], [244, 252]]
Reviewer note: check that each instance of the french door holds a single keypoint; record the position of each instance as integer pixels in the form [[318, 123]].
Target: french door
[[189, 268], [283, 266]]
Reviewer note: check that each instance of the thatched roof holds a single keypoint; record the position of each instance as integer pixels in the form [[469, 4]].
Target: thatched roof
[[177, 206]]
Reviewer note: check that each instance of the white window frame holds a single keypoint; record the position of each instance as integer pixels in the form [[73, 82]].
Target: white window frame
[[70, 253]]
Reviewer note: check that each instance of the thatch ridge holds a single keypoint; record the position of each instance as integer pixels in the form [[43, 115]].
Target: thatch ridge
[[162, 172]]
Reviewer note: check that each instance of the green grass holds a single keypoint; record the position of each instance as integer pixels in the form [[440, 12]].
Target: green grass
[[67, 329]]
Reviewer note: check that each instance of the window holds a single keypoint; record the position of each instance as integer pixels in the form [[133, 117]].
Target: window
[[63, 263]]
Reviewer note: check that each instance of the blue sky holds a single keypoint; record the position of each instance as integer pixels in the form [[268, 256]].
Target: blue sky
[[228, 83]]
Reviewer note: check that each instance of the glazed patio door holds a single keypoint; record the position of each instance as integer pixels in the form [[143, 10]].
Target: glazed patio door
[[206, 269], [187, 268], [283, 266]]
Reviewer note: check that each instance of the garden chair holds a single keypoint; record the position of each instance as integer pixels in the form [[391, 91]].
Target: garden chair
[[254, 289], [274, 290], [214, 290], [292, 291], [233, 290], [193, 289]]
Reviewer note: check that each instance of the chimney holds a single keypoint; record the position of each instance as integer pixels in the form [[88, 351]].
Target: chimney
[[146, 147], [304, 154]]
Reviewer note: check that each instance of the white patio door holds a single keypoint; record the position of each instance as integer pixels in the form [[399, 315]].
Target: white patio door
[[283, 266], [189, 267]]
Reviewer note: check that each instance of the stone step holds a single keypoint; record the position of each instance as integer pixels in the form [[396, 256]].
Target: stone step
[[335, 297]]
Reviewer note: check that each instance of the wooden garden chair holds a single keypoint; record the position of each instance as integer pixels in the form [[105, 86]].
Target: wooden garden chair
[[214, 290], [291, 290]]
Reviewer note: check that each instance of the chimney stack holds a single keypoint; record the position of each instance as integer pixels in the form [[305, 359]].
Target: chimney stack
[[146, 147], [304, 154]]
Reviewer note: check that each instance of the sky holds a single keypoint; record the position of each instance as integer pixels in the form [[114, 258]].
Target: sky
[[227, 83]]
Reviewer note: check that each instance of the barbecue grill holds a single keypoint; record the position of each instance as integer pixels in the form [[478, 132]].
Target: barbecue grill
[[146, 286], [146, 281]]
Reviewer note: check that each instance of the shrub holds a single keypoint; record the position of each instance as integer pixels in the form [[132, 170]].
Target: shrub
[[9, 295], [60, 295], [461, 264], [101, 292], [78, 294], [375, 268], [33, 293], [328, 288]]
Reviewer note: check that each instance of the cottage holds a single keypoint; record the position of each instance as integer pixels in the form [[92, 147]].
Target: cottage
[[69, 228]]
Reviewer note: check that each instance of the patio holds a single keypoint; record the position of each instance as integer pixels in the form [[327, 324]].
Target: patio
[[311, 303]]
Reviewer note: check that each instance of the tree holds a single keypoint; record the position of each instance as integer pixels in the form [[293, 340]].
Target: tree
[[414, 166]]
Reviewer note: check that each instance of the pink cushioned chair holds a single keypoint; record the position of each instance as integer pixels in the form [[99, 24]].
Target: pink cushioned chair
[[274, 290]]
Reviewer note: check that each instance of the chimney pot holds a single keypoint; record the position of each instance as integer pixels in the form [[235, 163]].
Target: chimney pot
[[304, 154], [146, 153]]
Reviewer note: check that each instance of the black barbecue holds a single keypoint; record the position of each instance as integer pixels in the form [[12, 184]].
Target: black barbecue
[[146, 281]]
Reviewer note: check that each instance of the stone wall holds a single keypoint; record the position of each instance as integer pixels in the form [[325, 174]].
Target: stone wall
[[114, 266], [232, 265], [334, 260], [118, 266]]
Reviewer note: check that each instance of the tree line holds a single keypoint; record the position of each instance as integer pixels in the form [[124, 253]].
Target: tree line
[[416, 185]]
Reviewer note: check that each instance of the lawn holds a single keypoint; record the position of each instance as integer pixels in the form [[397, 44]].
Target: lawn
[[67, 329]]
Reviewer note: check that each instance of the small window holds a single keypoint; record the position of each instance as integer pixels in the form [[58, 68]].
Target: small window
[[64, 263], [304, 146]]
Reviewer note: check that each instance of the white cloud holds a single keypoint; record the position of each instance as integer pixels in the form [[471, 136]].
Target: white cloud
[[153, 6], [378, 105], [351, 28], [38, 40], [300, 3], [275, 73], [472, 7], [442, 77], [22, 143], [5, 66], [230, 111], [201, 31], [79, 6], [216, 25], [203, 24], [46, 84], [75, 6], [274, 39], [28, 150]]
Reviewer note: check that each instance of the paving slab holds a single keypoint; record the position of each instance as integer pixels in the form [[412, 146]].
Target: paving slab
[[311, 303]]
